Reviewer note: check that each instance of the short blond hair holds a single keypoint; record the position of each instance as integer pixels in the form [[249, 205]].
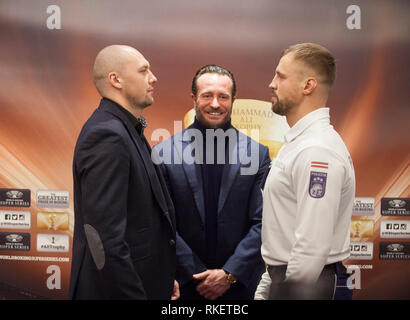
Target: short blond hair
[[317, 57]]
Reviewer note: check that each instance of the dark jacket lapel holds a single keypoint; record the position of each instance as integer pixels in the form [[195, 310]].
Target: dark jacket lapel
[[157, 190], [192, 171], [231, 170]]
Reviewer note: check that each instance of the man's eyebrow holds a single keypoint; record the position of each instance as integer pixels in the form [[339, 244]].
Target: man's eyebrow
[[279, 73], [144, 66]]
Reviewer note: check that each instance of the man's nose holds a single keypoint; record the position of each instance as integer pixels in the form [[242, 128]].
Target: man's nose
[[153, 78], [215, 102]]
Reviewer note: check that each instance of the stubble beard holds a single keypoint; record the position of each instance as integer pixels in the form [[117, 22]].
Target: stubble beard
[[141, 104]]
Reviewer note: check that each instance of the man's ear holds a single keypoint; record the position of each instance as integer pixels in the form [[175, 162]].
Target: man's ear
[[309, 86], [193, 99], [114, 80]]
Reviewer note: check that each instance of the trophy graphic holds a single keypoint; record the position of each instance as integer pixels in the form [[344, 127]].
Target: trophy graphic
[[52, 220], [357, 229], [361, 228]]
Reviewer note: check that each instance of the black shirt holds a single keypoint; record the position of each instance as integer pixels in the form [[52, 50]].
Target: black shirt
[[211, 179]]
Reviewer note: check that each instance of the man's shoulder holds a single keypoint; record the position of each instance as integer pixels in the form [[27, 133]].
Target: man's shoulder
[[331, 143], [101, 126]]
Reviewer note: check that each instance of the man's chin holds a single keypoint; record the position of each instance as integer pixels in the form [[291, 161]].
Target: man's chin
[[279, 109], [276, 110], [211, 124], [148, 103]]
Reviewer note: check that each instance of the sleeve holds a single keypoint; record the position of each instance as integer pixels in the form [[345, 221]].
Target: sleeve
[[188, 263], [247, 256], [262, 291], [103, 165], [317, 177]]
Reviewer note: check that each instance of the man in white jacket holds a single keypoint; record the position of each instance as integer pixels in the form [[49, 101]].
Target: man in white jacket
[[309, 192]]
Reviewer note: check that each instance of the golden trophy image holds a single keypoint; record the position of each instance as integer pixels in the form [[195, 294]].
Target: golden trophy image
[[361, 228], [255, 116], [357, 228], [52, 220]]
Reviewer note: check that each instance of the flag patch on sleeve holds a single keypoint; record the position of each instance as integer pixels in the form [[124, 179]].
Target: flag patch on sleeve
[[317, 164], [317, 184]]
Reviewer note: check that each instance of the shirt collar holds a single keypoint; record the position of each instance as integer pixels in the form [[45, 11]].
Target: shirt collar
[[306, 122], [142, 124]]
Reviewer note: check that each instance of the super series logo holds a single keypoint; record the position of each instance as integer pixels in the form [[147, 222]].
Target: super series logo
[[14, 241], [395, 207], [14, 197]]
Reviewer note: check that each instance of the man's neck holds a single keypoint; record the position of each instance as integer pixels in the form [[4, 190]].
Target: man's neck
[[136, 112], [298, 112]]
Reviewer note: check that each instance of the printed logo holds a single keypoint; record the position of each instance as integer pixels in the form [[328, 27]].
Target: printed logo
[[394, 251], [15, 220], [14, 194], [397, 203], [361, 251], [14, 197], [395, 207], [52, 220], [52, 242], [317, 184], [363, 207], [361, 228], [53, 199], [14, 241], [395, 229]]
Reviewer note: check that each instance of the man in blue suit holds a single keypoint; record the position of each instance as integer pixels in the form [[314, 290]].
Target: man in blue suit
[[214, 173]]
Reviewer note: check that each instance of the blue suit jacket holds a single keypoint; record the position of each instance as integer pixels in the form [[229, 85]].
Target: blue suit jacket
[[239, 212]]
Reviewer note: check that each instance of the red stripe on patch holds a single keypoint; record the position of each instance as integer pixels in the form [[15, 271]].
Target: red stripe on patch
[[316, 162], [320, 167]]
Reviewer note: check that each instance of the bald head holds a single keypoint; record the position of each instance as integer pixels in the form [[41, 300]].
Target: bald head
[[113, 58], [122, 74]]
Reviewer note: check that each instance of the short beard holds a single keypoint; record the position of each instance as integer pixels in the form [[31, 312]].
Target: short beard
[[282, 107]]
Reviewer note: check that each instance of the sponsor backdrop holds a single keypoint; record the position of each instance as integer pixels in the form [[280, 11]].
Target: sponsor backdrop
[[46, 94]]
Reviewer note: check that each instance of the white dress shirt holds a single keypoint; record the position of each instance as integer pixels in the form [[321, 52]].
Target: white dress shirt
[[308, 200]]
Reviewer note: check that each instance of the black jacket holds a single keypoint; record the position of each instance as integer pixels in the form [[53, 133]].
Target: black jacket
[[124, 233]]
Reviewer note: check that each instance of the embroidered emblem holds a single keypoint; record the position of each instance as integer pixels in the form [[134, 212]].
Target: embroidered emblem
[[317, 184]]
